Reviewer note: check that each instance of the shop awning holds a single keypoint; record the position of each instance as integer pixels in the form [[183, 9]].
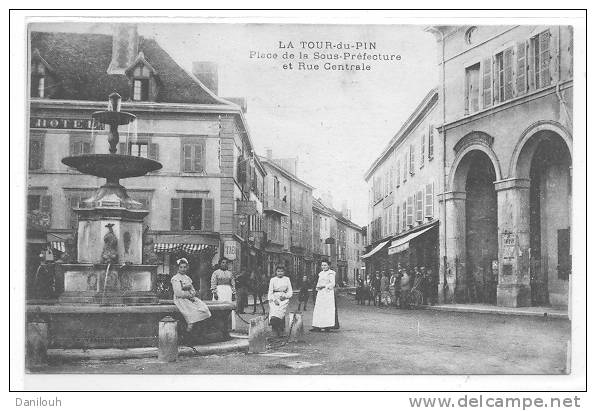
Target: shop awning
[[188, 248], [402, 244], [374, 250], [58, 245]]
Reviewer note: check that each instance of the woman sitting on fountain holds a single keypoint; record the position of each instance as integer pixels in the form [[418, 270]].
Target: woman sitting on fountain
[[185, 297]]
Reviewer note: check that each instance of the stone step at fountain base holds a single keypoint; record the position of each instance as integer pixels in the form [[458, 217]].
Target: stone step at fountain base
[[103, 326]]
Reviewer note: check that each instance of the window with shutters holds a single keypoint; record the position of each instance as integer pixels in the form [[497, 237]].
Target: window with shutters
[[503, 76], [410, 213], [403, 216], [406, 163], [472, 96], [39, 210], [428, 201], [192, 214], [36, 153], [75, 200], [431, 142], [539, 59], [422, 144], [80, 145], [419, 206], [397, 219], [412, 159], [193, 156]]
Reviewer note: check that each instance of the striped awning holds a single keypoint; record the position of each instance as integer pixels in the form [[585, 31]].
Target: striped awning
[[187, 248], [58, 245]]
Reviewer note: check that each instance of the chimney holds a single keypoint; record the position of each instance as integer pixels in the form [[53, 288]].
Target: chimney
[[206, 72], [269, 153], [125, 47]]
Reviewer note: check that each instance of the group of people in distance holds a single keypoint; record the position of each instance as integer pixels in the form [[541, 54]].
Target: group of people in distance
[[224, 286], [394, 288]]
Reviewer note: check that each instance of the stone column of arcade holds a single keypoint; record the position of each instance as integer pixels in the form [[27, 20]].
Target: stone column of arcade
[[513, 197], [452, 266]]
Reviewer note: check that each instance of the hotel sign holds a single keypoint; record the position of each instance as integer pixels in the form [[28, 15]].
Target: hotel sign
[[66, 123]]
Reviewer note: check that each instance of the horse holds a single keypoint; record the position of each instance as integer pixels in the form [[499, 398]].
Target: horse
[[257, 287]]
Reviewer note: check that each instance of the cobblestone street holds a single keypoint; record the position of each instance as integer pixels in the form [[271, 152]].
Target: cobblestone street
[[385, 341]]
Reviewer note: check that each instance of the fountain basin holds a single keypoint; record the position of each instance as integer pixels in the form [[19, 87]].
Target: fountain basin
[[112, 166], [95, 326], [99, 284]]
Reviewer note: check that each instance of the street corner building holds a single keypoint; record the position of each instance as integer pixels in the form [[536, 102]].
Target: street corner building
[[205, 202], [477, 182], [214, 197]]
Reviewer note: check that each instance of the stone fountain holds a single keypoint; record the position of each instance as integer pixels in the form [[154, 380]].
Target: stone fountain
[[108, 297]]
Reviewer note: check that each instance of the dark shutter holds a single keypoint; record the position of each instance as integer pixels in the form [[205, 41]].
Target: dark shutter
[[419, 206], [207, 214], [122, 148], [410, 213], [521, 83], [35, 154], [508, 73], [153, 151], [176, 214], [72, 216], [545, 56], [422, 141], [487, 85], [496, 78], [46, 205], [554, 54], [75, 148], [86, 147], [563, 254], [187, 157]]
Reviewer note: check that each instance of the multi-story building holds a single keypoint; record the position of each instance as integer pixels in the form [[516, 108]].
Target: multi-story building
[[322, 217], [403, 206], [202, 141], [354, 251], [507, 127], [288, 221]]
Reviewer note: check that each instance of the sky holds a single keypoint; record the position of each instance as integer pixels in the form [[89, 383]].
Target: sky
[[336, 122]]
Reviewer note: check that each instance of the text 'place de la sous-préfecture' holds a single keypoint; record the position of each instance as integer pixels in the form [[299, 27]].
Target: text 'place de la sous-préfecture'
[[326, 55]]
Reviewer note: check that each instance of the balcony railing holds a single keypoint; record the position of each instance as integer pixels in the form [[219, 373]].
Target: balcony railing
[[276, 205]]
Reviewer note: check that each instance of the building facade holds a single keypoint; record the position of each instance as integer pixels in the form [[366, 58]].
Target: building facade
[[288, 221], [507, 127], [403, 205], [202, 141]]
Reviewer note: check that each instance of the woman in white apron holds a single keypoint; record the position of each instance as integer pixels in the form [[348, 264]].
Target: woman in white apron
[[185, 297], [223, 286], [280, 292], [325, 313]]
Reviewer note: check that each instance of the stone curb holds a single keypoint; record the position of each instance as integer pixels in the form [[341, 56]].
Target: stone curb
[[520, 313], [236, 344]]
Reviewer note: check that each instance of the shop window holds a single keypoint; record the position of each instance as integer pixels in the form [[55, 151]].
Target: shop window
[[36, 153], [192, 214], [472, 95]]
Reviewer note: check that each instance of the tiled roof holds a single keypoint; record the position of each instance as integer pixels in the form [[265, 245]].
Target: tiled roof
[[80, 62]]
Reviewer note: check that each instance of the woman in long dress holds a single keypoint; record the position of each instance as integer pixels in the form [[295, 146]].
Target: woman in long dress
[[325, 312], [280, 292], [223, 286], [185, 297]]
